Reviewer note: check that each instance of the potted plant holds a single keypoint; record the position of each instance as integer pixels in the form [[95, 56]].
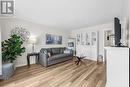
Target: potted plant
[[12, 48]]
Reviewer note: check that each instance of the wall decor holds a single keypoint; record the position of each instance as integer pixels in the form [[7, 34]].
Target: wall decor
[[109, 38], [87, 39], [71, 44], [22, 32], [78, 39], [93, 37], [53, 39], [81, 39]]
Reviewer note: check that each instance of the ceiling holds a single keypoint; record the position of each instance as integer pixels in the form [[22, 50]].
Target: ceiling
[[69, 14]]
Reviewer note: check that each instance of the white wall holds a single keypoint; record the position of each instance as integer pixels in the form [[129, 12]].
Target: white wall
[[35, 29], [100, 29], [125, 8], [126, 12], [129, 19]]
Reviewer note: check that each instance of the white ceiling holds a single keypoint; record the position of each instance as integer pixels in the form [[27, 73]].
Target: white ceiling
[[69, 14]]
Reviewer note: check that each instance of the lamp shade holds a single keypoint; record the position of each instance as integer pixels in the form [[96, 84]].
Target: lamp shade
[[32, 40]]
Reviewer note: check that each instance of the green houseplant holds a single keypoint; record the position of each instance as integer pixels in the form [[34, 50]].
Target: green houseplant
[[12, 48]]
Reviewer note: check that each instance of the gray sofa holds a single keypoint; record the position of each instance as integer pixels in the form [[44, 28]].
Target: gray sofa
[[50, 56]]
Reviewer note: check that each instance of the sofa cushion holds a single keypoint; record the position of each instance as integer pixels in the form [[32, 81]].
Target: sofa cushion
[[55, 51], [54, 57], [62, 50], [49, 54], [45, 49]]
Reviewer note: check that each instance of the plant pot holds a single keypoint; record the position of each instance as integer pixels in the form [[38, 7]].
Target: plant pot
[[14, 62], [7, 70]]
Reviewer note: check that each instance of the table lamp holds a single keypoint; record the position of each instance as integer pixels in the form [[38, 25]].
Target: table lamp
[[32, 40]]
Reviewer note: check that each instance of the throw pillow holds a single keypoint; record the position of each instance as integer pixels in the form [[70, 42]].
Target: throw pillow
[[49, 54], [67, 51]]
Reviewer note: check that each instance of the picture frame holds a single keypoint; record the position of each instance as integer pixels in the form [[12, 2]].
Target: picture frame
[[53, 39]]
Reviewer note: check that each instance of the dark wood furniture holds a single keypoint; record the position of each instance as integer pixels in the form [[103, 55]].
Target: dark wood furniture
[[79, 59], [32, 54]]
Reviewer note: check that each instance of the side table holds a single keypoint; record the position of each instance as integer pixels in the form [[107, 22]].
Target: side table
[[32, 54]]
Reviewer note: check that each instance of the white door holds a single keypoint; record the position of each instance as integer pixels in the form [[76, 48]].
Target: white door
[[94, 45]]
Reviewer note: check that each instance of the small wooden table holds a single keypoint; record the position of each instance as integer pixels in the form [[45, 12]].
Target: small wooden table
[[32, 54], [79, 59]]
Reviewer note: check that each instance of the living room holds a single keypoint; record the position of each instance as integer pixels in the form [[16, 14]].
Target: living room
[[77, 28]]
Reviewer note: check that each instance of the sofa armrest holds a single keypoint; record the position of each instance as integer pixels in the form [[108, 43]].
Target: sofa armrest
[[43, 59]]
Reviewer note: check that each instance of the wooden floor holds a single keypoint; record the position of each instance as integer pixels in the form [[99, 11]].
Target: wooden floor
[[67, 74]]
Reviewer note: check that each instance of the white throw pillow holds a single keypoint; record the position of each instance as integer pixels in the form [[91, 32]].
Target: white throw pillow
[[49, 54], [67, 51]]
